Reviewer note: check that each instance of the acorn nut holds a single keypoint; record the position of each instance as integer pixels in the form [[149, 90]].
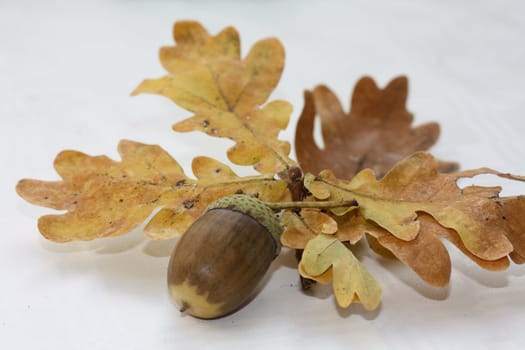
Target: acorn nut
[[222, 257]]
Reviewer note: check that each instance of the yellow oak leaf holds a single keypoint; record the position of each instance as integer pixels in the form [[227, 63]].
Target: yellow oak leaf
[[226, 93], [106, 198], [351, 281], [415, 185]]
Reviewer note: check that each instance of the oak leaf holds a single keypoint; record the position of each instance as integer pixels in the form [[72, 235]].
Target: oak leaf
[[511, 211], [301, 227], [430, 226], [207, 77], [426, 255], [376, 134], [415, 185], [106, 198], [326, 258]]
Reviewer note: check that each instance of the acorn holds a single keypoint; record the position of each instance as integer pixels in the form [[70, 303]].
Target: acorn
[[221, 259]]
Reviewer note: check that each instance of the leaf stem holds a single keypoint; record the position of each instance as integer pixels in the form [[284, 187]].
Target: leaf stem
[[311, 204]]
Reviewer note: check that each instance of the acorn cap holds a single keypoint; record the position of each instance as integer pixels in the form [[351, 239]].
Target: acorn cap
[[255, 208]]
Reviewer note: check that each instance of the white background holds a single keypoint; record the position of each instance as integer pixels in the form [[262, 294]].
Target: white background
[[67, 69]]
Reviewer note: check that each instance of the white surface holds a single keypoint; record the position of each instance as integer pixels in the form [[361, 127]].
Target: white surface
[[66, 72]]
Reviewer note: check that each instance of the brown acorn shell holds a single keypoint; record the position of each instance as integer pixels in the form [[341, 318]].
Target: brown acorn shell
[[220, 261]]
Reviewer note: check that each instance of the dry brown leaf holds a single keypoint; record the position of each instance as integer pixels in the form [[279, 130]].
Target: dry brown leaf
[[512, 211], [426, 255], [415, 185], [377, 248], [226, 93], [430, 226], [303, 226], [296, 233], [376, 134], [352, 226], [106, 198]]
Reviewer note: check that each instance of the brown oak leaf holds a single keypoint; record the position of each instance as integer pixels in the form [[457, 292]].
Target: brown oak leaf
[[376, 134], [512, 210], [427, 255]]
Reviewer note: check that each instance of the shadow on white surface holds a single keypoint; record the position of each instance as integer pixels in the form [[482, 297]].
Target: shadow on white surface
[[405, 275], [490, 279], [113, 245], [159, 249]]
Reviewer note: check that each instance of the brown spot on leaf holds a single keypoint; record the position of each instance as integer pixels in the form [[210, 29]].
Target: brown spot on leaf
[[188, 203]]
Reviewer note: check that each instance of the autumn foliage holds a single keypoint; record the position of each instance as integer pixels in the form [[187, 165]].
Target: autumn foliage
[[373, 179]]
